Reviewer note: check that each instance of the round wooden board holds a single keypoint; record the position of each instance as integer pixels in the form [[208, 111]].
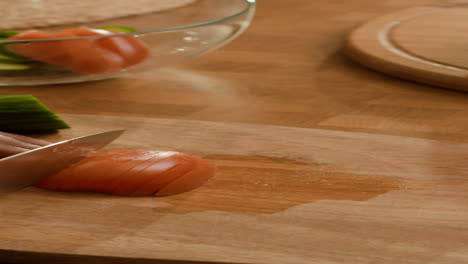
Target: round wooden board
[[424, 44]]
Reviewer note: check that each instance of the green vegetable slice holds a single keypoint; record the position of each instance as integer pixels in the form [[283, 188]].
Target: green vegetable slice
[[26, 113], [5, 58], [13, 66], [6, 34], [6, 53], [119, 29]]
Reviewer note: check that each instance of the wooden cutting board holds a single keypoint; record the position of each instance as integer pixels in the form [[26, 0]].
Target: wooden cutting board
[[423, 44], [281, 195]]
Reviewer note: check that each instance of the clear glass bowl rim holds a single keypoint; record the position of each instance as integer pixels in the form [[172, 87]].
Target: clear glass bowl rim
[[249, 5]]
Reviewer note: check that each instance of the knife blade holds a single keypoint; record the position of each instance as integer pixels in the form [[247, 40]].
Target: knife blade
[[27, 168]]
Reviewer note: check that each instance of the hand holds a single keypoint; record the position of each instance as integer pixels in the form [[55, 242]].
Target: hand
[[11, 144]]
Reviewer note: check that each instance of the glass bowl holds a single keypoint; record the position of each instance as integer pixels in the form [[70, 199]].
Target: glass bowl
[[169, 37]]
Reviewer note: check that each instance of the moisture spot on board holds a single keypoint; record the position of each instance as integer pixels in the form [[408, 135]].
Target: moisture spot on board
[[266, 185]]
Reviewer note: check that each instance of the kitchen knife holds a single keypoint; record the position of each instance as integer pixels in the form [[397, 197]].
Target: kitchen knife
[[27, 168]]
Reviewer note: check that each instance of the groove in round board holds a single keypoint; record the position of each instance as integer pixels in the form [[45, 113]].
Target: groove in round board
[[423, 44]]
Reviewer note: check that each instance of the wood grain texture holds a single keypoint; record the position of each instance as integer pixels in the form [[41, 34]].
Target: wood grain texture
[[281, 195], [439, 36], [425, 44]]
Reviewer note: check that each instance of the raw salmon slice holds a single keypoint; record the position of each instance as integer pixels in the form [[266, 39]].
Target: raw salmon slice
[[169, 170], [189, 181], [46, 51], [132, 173], [86, 56], [128, 47], [89, 175], [84, 173]]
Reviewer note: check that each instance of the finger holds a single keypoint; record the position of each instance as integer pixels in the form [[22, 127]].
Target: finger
[[8, 141], [34, 141], [6, 150]]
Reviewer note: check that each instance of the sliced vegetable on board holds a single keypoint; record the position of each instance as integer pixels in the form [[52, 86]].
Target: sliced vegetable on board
[[25, 113], [7, 33]]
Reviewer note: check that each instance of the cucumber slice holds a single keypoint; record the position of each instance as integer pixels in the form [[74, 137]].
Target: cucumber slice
[[13, 66], [5, 58], [119, 29], [11, 55], [27, 113], [8, 57], [6, 34]]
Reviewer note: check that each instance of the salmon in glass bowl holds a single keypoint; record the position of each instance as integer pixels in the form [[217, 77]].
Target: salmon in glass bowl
[[78, 43]]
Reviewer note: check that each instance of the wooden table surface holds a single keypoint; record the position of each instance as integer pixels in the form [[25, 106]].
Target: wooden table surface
[[288, 70]]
